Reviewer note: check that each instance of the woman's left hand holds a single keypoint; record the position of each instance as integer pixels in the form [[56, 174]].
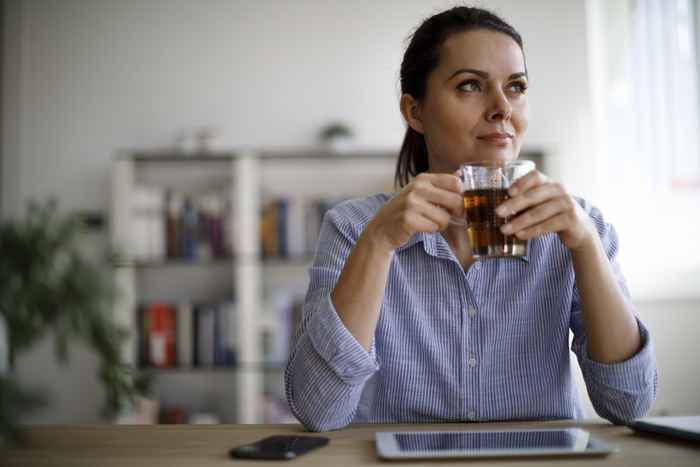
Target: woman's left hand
[[547, 207]]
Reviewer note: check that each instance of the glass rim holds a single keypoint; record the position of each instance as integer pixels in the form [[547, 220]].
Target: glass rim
[[499, 164]]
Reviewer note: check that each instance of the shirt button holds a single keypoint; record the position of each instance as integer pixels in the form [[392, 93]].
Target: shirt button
[[471, 415], [471, 312], [472, 361], [477, 265]]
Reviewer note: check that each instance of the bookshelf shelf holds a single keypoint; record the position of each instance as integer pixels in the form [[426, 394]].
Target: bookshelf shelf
[[182, 262], [262, 289], [265, 368], [281, 262]]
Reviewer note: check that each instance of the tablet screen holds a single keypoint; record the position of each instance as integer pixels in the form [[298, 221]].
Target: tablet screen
[[490, 441]]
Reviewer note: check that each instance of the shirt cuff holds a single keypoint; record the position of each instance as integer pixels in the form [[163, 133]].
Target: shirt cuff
[[338, 347], [629, 375]]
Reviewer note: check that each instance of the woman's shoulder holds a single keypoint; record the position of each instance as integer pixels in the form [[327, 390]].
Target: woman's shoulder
[[358, 211], [594, 213], [606, 231]]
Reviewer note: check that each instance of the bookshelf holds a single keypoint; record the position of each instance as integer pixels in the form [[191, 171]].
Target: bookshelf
[[250, 273]]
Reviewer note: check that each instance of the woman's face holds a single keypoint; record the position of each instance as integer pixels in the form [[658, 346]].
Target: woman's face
[[475, 107]]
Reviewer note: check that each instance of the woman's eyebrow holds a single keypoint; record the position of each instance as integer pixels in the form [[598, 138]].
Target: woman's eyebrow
[[484, 74]]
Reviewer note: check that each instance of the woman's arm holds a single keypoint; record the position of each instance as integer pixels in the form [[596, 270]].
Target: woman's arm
[[614, 349], [611, 328], [332, 355], [424, 205]]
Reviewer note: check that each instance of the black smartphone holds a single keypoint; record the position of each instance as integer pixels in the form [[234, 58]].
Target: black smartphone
[[278, 447]]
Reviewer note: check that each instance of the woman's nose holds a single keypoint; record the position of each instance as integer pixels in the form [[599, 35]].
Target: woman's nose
[[500, 108]]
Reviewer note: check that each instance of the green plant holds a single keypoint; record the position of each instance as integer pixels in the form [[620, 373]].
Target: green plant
[[335, 130], [48, 287]]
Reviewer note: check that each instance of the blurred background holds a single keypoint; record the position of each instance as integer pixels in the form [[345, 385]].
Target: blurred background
[[206, 139]]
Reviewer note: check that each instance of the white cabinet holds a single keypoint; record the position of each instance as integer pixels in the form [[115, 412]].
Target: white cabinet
[[249, 180]]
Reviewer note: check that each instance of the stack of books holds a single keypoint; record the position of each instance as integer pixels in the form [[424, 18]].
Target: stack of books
[[167, 224], [289, 226], [187, 335]]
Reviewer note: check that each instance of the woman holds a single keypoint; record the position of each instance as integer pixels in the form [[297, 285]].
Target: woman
[[401, 324]]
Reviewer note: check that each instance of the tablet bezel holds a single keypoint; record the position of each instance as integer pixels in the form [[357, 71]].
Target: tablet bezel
[[388, 448]]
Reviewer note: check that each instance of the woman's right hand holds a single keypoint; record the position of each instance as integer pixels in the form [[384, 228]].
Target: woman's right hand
[[424, 205]]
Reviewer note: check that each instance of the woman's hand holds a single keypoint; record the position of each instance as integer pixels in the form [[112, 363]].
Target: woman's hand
[[424, 205], [538, 206]]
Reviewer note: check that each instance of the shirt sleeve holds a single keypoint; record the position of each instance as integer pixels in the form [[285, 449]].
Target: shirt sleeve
[[619, 392], [327, 367]]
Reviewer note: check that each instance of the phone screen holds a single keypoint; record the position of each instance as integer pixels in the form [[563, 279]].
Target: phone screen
[[279, 447]]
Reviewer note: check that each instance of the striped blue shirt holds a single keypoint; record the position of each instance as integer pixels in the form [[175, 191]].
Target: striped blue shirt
[[487, 344]]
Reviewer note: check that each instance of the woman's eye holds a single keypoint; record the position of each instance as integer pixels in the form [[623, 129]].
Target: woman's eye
[[469, 86], [519, 87]]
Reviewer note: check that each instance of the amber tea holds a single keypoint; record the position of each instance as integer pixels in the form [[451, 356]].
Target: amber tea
[[483, 225]]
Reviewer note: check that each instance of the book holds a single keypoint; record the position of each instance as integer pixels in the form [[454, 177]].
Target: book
[[142, 336], [184, 335], [174, 202], [161, 334], [204, 338], [147, 233], [189, 229], [295, 227]]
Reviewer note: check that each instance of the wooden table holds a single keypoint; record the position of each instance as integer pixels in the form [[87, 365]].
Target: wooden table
[[208, 445]]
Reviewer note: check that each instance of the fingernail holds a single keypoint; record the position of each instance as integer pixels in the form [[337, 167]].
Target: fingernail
[[512, 191], [506, 229], [501, 211]]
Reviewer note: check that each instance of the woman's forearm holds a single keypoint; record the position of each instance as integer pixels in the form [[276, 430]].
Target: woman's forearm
[[359, 292], [611, 328]]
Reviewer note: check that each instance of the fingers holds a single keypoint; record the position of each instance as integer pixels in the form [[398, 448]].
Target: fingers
[[533, 196], [418, 205], [533, 216], [449, 182], [419, 223], [440, 191], [527, 181], [557, 223]]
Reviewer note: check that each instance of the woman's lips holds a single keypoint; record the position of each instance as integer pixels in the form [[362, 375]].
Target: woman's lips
[[498, 139]]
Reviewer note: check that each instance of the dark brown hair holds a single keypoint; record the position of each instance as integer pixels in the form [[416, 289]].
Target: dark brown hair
[[422, 56]]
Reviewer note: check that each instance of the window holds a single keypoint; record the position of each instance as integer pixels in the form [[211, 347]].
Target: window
[[648, 91]]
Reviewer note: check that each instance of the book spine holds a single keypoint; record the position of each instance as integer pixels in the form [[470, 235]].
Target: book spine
[[184, 334], [143, 336], [220, 335], [281, 227], [189, 230], [162, 333], [205, 336], [196, 311]]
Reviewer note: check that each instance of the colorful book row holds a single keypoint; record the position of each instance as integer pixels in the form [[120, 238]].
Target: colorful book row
[[187, 335], [289, 226]]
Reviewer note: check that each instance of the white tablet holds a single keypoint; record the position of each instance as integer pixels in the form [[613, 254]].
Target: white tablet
[[489, 443]]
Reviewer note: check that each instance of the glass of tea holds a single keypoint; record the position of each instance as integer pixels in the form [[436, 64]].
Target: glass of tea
[[484, 187]]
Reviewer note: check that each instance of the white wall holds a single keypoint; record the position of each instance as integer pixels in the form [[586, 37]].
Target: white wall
[[86, 78], [100, 75]]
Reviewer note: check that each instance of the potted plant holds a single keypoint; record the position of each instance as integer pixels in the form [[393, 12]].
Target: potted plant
[[337, 137], [47, 288]]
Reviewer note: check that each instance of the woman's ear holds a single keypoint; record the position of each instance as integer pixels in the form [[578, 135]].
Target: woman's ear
[[410, 109]]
